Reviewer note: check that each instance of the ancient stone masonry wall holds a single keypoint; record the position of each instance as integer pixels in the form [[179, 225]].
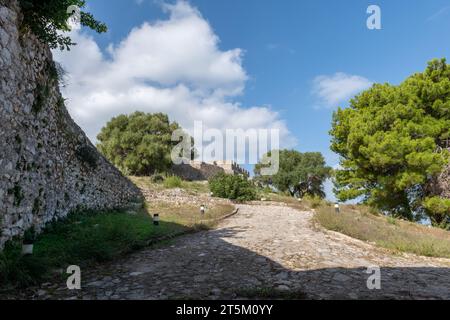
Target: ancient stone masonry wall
[[199, 171], [196, 171], [48, 167]]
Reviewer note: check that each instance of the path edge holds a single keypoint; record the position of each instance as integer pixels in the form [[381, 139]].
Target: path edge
[[189, 231]]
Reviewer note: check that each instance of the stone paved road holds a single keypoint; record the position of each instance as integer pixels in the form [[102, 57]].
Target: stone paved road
[[263, 246]]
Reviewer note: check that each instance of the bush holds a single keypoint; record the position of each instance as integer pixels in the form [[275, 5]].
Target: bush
[[232, 187], [29, 236], [17, 269], [314, 201], [391, 220], [173, 182], [438, 209]]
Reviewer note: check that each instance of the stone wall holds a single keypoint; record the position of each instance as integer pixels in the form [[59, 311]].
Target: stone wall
[[231, 167], [196, 171], [48, 167], [199, 171]]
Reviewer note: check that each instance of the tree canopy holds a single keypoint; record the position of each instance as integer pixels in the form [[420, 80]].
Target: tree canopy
[[299, 173], [140, 143], [392, 141], [47, 18]]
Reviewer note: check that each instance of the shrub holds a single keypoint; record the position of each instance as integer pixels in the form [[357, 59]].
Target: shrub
[[18, 269], [391, 220], [315, 201], [173, 182], [29, 236], [232, 187], [438, 209]]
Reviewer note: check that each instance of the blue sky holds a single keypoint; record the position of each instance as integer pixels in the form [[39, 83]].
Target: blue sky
[[297, 56]]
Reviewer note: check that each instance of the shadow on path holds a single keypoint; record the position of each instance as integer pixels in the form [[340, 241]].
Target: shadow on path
[[206, 266], [218, 264]]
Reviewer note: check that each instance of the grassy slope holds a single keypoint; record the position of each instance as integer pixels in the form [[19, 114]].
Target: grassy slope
[[387, 232], [81, 239], [186, 214], [362, 223], [193, 187], [94, 237]]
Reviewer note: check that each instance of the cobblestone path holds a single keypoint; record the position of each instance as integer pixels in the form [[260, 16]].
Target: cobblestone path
[[264, 250]]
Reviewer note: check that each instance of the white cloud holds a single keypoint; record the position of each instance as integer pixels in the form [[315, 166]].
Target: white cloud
[[338, 88], [173, 66]]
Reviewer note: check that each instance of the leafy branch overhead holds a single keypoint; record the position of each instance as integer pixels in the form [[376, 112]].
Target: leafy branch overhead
[[49, 19]]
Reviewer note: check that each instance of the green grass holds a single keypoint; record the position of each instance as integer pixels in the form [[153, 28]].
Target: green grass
[[305, 204], [387, 232], [362, 222], [89, 238], [80, 239], [189, 215], [172, 182], [99, 237], [18, 270], [196, 187]]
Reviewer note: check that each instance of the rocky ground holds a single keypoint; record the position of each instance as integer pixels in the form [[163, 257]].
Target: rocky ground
[[180, 197], [264, 248]]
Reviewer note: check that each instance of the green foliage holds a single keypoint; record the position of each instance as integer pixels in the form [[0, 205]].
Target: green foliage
[[299, 173], [41, 95], [392, 140], [29, 236], [19, 270], [438, 209], [234, 187], [139, 144], [391, 220], [47, 18], [173, 182], [314, 201], [83, 238]]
